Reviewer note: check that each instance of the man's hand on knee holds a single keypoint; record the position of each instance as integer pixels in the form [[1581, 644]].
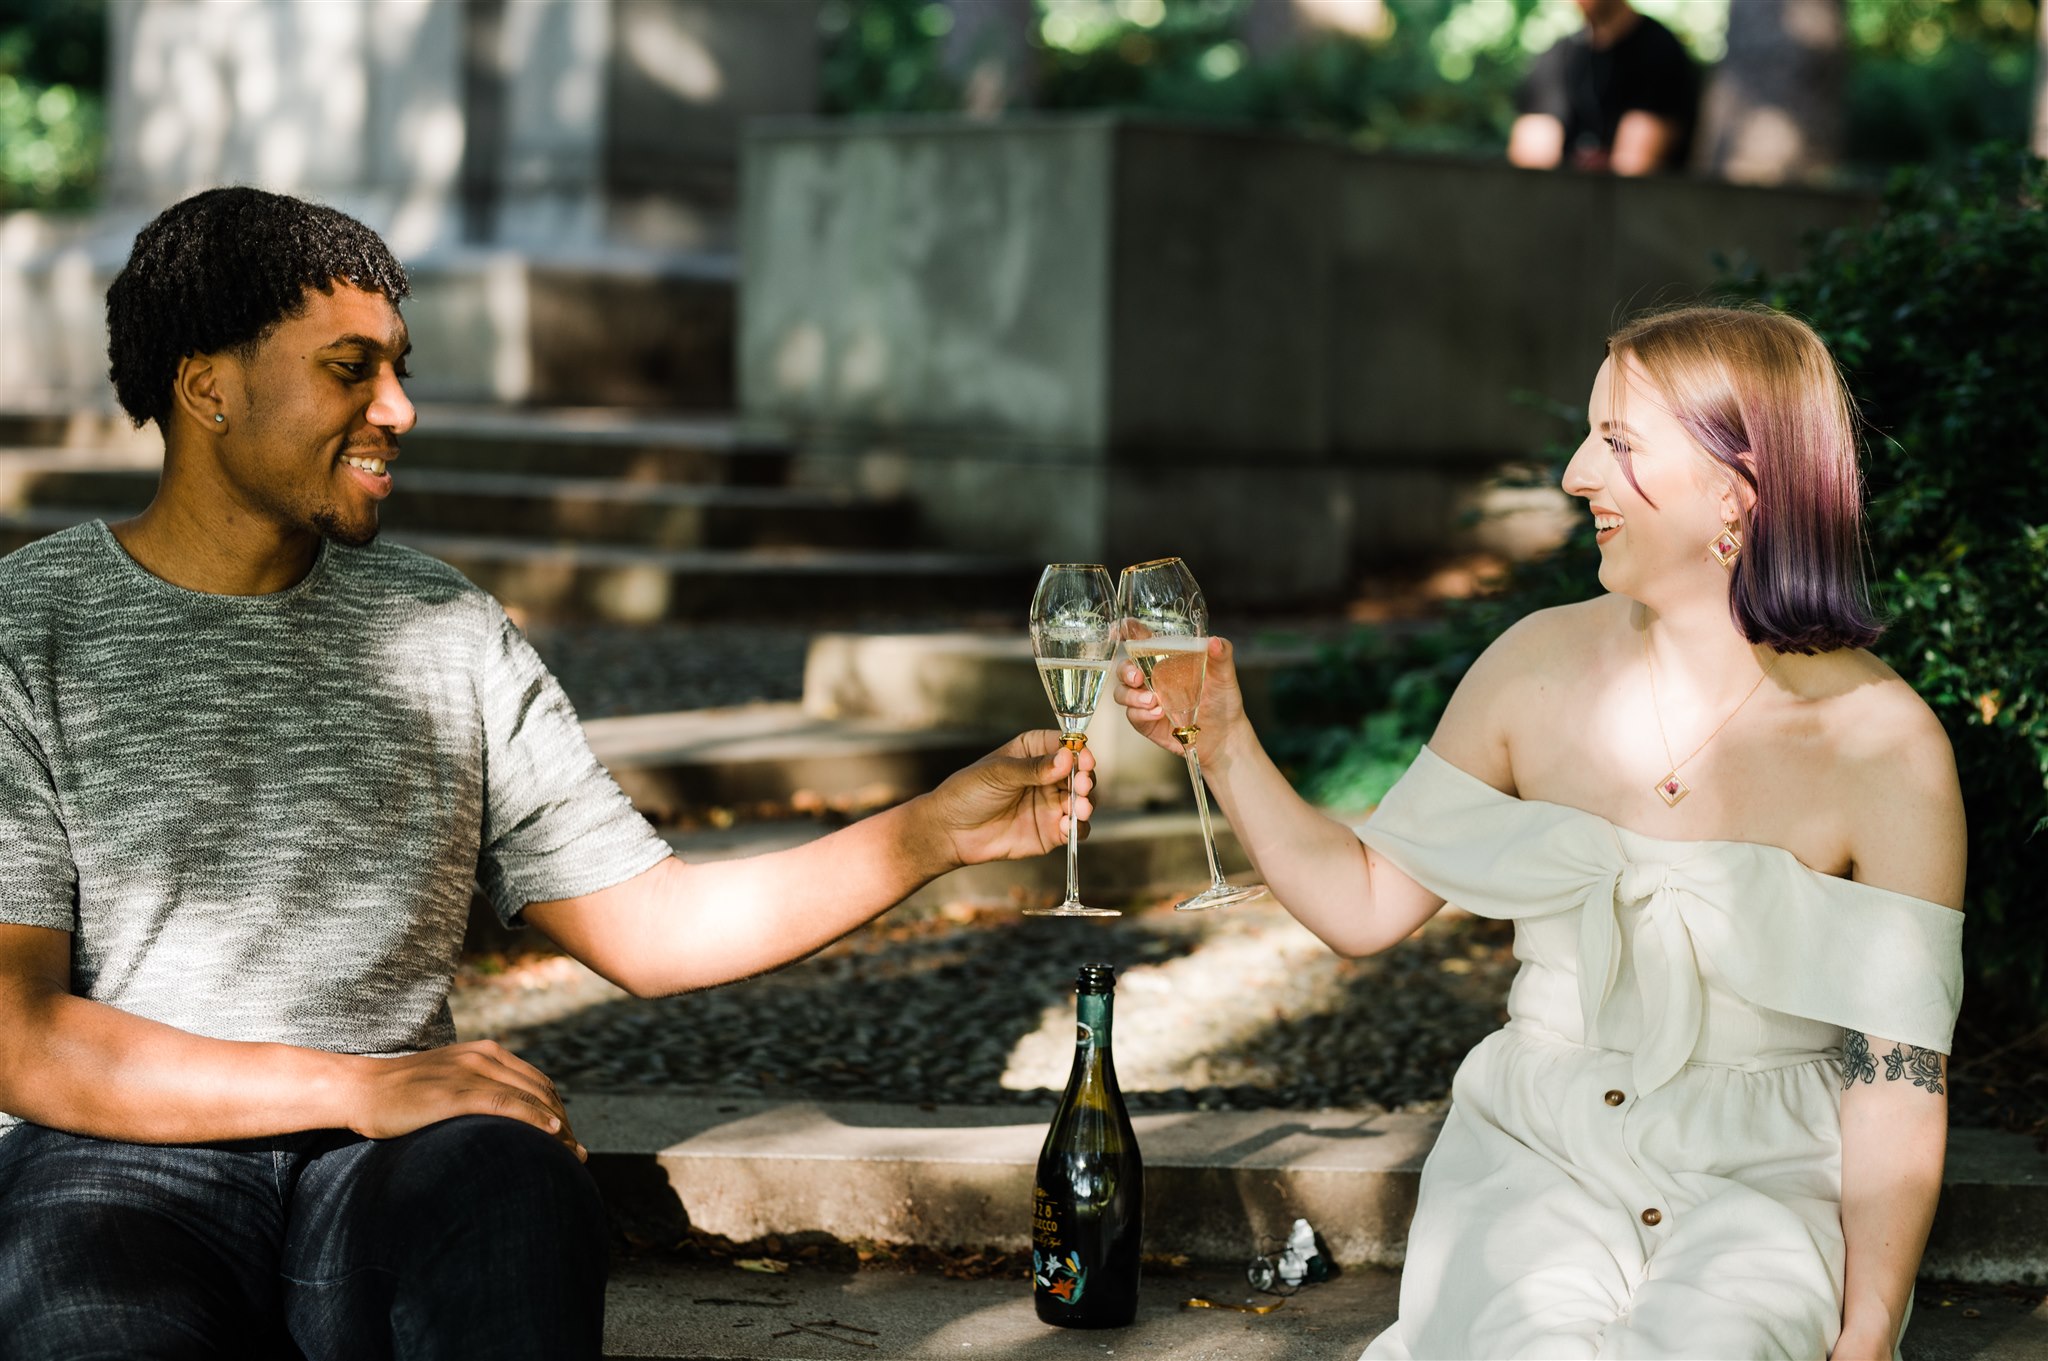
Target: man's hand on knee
[[481, 1077]]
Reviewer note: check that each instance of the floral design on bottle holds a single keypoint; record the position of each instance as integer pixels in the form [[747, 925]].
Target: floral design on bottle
[[1064, 1278]]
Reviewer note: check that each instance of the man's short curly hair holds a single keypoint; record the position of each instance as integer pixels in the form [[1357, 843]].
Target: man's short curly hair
[[217, 272]]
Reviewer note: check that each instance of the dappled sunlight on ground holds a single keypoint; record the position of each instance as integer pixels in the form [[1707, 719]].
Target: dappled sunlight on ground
[[1169, 1031], [1239, 1008]]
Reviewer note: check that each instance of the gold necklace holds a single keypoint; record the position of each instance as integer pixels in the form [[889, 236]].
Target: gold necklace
[[1670, 788]]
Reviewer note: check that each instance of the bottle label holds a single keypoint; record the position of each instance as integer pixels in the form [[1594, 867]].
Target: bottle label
[[1056, 1269]]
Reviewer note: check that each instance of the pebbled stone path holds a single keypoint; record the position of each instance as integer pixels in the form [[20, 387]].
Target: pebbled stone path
[[1234, 1009]]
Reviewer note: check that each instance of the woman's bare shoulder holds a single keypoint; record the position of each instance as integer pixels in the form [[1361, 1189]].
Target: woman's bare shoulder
[[1895, 773], [1873, 715], [1556, 640], [1541, 651]]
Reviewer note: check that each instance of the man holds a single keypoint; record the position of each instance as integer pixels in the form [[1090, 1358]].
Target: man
[[1620, 95], [252, 765]]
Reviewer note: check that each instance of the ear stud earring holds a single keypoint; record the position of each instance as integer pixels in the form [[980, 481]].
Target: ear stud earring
[[219, 418]]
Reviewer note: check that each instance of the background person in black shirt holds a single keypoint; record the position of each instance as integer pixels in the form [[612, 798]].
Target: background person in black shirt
[[1621, 95]]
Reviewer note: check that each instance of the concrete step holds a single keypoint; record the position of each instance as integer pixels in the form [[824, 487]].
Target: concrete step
[[773, 753], [95, 431], [716, 1311], [1127, 857], [605, 442], [659, 515], [636, 586], [990, 680], [947, 678], [1216, 1182], [631, 586]]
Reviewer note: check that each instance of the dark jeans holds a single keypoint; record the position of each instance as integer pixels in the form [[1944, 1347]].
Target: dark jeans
[[477, 1237]]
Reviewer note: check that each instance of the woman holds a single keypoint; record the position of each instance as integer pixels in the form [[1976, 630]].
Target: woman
[[1731, 841]]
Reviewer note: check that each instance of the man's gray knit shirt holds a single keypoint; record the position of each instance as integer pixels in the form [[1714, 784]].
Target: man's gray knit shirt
[[262, 817]]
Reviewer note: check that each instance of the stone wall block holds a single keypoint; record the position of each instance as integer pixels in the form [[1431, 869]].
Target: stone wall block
[[928, 281], [1221, 326]]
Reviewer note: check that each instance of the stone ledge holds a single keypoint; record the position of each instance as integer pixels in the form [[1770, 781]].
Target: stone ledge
[[1216, 1181]]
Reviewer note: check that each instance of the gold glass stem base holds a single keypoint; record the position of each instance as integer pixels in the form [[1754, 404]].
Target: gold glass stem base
[[1074, 741]]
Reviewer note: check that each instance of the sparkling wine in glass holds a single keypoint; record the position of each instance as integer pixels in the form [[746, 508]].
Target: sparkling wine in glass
[[1165, 625], [1073, 636]]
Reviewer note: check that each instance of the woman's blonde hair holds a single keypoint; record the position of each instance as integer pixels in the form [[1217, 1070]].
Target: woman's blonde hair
[[1761, 394]]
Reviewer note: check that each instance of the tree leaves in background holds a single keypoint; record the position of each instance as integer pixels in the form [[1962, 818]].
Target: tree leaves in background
[[52, 128]]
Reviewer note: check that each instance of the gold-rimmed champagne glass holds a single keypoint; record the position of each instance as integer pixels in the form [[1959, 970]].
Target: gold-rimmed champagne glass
[[1165, 625], [1073, 637]]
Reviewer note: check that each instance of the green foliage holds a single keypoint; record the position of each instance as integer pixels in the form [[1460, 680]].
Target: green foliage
[[1934, 313], [882, 56], [1928, 79], [52, 128], [1434, 81], [1919, 30], [1932, 79]]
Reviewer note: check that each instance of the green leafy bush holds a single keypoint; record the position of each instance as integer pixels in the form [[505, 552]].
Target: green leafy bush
[[52, 127], [1934, 313]]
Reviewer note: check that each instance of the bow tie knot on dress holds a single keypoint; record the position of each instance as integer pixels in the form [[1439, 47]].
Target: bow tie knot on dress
[[1639, 880], [1667, 974]]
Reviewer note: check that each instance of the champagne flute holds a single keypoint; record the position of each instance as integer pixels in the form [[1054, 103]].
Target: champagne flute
[[1073, 636], [1165, 624]]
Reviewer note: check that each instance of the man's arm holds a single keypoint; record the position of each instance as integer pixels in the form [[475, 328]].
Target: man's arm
[[1641, 142], [89, 1068], [1536, 142], [680, 926]]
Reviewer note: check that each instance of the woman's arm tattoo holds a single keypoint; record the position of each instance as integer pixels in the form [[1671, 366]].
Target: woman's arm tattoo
[[1907, 1061]]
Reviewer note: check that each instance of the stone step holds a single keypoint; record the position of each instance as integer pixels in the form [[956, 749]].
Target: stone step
[[605, 442], [602, 442], [955, 677], [716, 1311], [1216, 1182], [990, 680], [772, 752], [637, 586], [631, 586], [1127, 857], [659, 515], [708, 1310], [82, 430]]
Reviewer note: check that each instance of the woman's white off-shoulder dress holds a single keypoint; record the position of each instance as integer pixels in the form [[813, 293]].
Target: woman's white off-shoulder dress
[[1646, 1161]]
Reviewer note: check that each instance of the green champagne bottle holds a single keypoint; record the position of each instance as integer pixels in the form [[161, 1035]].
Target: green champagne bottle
[[1088, 1208]]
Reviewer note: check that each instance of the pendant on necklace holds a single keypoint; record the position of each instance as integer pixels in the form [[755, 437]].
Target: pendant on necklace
[[1671, 789]]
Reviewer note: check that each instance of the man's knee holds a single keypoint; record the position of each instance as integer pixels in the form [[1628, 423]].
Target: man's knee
[[478, 1228], [101, 1261], [477, 1178], [505, 1169]]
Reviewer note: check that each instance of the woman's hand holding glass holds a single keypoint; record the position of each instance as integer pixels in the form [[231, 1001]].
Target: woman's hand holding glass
[[1222, 712], [1164, 620]]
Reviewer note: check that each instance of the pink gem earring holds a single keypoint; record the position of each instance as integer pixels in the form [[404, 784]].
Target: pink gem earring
[[1726, 547]]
